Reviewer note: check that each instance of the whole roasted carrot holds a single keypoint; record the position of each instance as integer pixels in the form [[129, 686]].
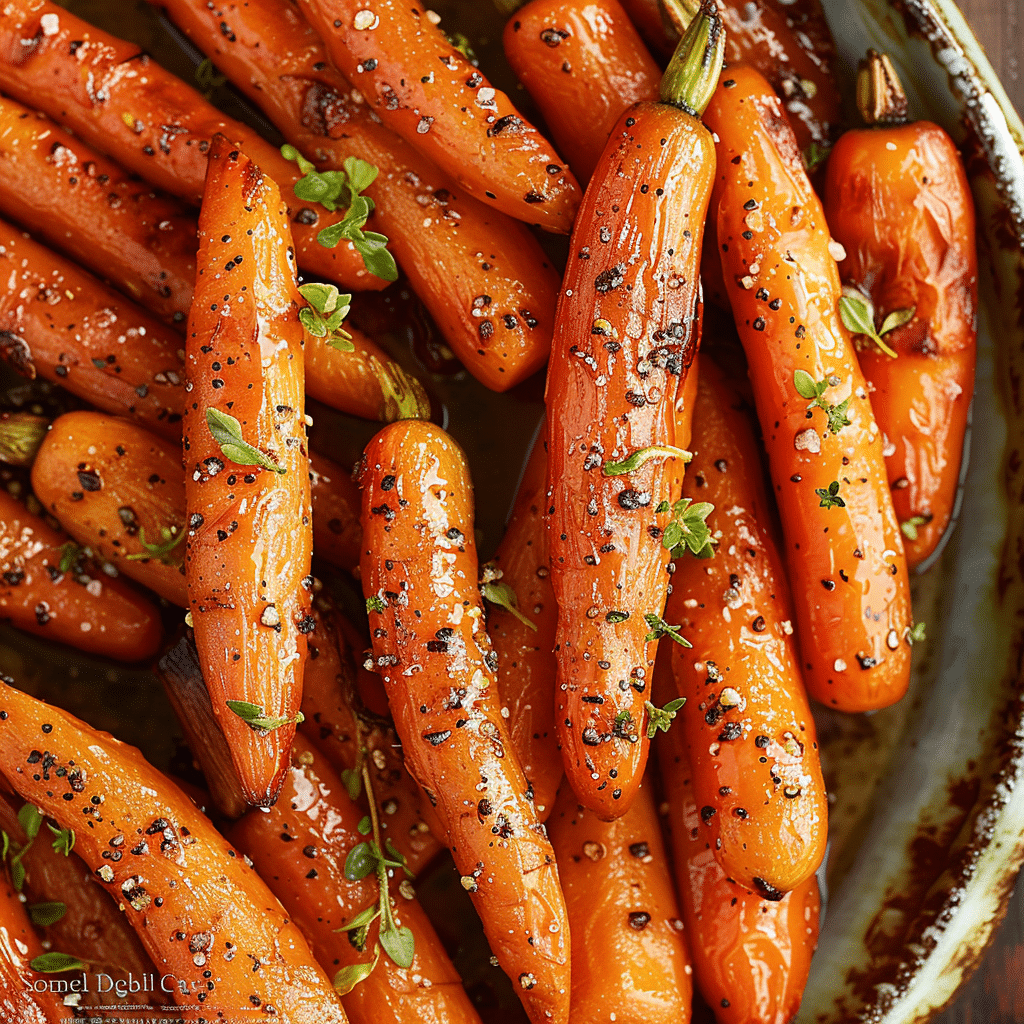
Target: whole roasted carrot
[[419, 575], [205, 917], [898, 201], [117, 99], [652, 23], [483, 276], [584, 64], [748, 726], [626, 332], [844, 555], [249, 540], [632, 962], [49, 588]]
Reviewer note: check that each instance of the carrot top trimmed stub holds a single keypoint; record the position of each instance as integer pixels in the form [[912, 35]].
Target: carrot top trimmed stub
[[627, 330], [247, 553]]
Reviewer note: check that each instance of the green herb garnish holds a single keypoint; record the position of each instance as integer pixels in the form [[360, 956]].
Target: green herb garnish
[[814, 390], [501, 594], [56, 963], [916, 635], [70, 554], [253, 715], [323, 317], [910, 527], [659, 628], [661, 718], [643, 456], [171, 537], [64, 839], [830, 496], [858, 317], [227, 432], [45, 914], [688, 529], [207, 78]]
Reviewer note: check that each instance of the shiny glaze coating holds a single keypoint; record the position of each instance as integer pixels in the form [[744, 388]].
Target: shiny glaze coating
[[751, 957], [749, 731], [64, 325], [204, 916], [432, 651], [526, 660], [630, 959], [299, 847], [847, 570], [653, 25], [483, 276], [427, 91], [250, 531], [626, 332], [117, 99], [584, 64], [898, 201], [142, 242], [82, 607]]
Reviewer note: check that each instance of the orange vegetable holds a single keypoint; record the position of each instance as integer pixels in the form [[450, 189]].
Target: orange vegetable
[[653, 24], [844, 554], [419, 575], [247, 553]]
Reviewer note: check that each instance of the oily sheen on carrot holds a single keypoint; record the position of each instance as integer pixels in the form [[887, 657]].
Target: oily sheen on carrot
[[845, 560], [428, 92], [626, 332], [419, 574], [249, 541], [206, 918]]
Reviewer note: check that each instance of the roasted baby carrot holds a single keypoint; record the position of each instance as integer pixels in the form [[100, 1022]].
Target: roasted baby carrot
[[48, 587], [583, 63], [428, 92], [303, 848], [419, 575], [117, 99], [205, 917], [483, 276], [630, 960], [898, 201], [626, 331], [844, 554], [749, 731], [650, 20], [249, 541]]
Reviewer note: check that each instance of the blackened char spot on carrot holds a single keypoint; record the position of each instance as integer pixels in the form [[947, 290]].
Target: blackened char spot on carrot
[[610, 278]]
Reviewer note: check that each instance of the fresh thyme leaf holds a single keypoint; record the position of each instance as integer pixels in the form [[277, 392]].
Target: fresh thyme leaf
[[644, 455], [6, 840], [897, 318], [352, 780], [253, 715], [324, 315], [45, 914], [291, 153], [807, 387], [31, 819], [504, 596], [917, 634], [858, 316], [837, 418], [688, 529], [64, 841], [365, 825], [206, 77], [399, 944], [814, 390], [659, 627], [910, 527], [162, 552], [227, 432], [17, 873], [375, 604], [56, 963], [830, 496], [70, 553], [360, 862], [348, 977], [661, 718], [361, 175]]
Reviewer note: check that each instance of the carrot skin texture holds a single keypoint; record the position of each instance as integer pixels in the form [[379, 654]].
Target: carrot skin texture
[[428, 93], [756, 772], [244, 355], [420, 560], [850, 585], [457, 252], [630, 956], [316, 816], [626, 332], [751, 956], [64, 72], [898, 200], [652, 25], [176, 874], [526, 660], [584, 64]]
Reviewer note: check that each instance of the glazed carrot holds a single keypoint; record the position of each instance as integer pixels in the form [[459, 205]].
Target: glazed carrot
[[584, 64], [630, 959], [483, 276], [526, 660], [807, 20], [844, 554], [47, 588], [427, 91], [748, 726], [419, 574], [204, 916], [249, 540], [898, 201], [653, 25], [626, 332], [300, 847], [120, 101], [60, 323], [751, 956]]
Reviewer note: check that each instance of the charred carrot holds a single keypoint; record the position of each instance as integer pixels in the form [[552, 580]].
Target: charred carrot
[[48, 587], [626, 331], [845, 560], [584, 64], [247, 551], [117, 99], [898, 201], [483, 276], [748, 726], [633, 963], [428, 92], [205, 917], [419, 574]]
